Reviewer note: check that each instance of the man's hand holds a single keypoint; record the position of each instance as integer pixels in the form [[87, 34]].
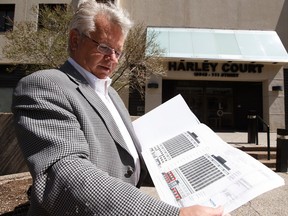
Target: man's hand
[[197, 210]]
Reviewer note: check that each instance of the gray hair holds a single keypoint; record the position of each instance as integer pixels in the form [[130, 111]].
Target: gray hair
[[86, 13]]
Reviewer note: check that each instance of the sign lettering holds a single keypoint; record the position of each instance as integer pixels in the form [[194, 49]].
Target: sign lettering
[[210, 69]]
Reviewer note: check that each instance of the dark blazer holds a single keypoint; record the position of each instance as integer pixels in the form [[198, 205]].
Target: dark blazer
[[77, 157]]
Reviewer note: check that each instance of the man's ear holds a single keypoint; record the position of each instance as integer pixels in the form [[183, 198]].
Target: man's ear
[[74, 37]]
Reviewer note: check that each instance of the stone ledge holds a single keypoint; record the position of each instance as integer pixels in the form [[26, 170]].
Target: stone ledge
[[14, 177]]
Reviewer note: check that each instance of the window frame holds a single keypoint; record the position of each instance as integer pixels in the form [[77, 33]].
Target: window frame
[[6, 11]]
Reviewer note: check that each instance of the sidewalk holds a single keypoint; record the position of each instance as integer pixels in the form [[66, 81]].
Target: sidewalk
[[241, 138]]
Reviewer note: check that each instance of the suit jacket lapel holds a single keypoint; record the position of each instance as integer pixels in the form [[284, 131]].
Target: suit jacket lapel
[[95, 101], [126, 119], [85, 89], [125, 116]]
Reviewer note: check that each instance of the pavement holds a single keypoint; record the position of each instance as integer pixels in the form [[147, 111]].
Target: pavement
[[272, 203], [241, 138]]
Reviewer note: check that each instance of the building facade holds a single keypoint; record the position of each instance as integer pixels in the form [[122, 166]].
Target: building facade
[[224, 84], [221, 85]]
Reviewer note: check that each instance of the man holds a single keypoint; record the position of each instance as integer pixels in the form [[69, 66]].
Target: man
[[75, 131]]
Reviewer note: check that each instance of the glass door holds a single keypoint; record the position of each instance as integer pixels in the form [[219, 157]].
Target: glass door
[[219, 107], [194, 99]]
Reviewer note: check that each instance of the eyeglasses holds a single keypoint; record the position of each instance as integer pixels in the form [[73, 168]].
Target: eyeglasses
[[105, 49]]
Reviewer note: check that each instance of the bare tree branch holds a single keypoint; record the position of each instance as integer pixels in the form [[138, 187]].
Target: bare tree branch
[[43, 44]]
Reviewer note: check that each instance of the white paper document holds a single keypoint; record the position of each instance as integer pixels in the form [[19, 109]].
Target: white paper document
[[190, 164]]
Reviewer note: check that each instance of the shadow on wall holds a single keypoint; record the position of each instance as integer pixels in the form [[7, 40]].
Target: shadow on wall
[[11, 158], [281, 27]]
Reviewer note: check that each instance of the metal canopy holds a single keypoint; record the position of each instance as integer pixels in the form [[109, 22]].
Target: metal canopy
[[220, 45]]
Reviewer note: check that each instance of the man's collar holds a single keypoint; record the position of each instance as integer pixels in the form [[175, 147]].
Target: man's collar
[[99, 85]]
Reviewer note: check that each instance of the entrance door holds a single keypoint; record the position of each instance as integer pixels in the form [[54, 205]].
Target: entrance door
[[248, 96], [219, 107], [222, 106], [212, 105], [194, 97]]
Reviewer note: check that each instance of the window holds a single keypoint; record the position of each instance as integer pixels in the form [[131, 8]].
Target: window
[[6, 17], [105, 1], [10, 75]]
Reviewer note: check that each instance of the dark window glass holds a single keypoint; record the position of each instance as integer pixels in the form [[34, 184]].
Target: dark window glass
[[10, 75], [6, 17], [105, 1]]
